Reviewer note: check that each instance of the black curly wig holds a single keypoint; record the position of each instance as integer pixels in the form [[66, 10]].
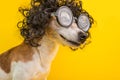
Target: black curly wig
[[33, 27]]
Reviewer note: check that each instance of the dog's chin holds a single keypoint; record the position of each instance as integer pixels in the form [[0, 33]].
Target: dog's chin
[[70, 43]]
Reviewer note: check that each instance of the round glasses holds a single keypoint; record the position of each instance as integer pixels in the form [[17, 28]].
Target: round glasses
[[65, 18]]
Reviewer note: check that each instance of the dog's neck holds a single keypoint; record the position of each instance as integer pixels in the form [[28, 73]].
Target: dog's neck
[[47, 50]]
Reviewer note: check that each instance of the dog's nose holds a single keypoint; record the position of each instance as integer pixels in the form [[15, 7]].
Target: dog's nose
[[82, 37]]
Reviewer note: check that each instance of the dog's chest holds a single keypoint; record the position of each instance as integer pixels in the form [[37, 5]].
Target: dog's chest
[[30, 70]]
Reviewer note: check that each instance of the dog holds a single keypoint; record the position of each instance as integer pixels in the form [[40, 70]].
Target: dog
[[47, 24]]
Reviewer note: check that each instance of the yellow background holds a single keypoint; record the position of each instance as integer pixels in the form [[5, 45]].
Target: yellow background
[[99, 60]]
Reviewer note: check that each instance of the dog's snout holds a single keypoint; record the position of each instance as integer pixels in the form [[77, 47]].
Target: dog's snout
[[81, 37]]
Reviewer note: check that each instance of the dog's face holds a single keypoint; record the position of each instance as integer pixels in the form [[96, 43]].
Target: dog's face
[[71, 36], [67, 29]]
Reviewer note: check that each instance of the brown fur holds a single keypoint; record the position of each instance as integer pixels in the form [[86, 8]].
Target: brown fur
[[22, 52]]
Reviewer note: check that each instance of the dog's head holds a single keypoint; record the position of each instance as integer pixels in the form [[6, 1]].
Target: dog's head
[[64, 20], [72, 35]]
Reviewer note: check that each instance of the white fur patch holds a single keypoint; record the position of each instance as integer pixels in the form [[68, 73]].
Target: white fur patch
[[3, 75]]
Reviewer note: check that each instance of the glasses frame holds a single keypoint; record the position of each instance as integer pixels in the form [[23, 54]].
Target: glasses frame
[[74, 19]]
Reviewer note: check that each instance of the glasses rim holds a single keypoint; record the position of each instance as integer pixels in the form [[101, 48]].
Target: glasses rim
[[57, 15], [88, 25], [72, 20]]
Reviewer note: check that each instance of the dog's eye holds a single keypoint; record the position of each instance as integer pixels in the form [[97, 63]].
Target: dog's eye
[[64, 16], [83, 22]]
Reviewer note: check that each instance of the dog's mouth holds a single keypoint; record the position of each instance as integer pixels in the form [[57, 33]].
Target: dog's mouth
[[71, 42]]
